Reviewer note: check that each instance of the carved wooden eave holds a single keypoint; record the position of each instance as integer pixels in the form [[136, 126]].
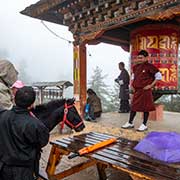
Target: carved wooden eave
[[167, 14], [109, 21]]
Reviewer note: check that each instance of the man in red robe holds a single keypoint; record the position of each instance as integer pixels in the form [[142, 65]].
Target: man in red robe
[[145, 76]]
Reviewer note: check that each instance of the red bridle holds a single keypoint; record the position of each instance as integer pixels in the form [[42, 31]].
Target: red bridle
[[65, 120]]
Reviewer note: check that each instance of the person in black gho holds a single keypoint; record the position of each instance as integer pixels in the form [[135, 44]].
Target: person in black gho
[[123, 81], [22, 136]]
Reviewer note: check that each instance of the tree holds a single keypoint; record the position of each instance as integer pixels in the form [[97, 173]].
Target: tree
[[114, 98], [98, 85]]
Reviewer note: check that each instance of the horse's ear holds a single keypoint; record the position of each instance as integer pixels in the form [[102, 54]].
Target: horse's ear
[[73, 99], [70, 101]]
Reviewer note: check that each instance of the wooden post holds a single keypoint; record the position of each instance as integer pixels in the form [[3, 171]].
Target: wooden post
[[54, 159], [80, 76], [101, 171], [41, 94]]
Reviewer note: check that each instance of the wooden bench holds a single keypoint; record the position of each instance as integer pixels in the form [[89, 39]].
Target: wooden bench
[[120, 156]]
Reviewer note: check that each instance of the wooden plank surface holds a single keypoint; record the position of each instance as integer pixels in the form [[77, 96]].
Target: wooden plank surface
[[121, 154], [43, 175]]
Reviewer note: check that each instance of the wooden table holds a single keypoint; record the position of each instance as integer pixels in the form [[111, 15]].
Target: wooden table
[[120, 156]]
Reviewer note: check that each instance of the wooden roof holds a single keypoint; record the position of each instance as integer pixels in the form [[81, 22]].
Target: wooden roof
[[96, 19]]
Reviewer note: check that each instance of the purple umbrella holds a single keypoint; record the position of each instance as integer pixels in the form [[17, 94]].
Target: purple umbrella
[[164, 146]]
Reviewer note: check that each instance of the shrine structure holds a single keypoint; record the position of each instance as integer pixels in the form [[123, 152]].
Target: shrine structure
[[153, 25]]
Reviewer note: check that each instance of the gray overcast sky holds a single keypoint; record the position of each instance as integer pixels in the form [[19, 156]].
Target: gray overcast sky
[[47, 57]]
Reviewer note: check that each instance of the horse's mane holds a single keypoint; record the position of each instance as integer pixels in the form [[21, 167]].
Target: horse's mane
[[50, 105], [44, 110]]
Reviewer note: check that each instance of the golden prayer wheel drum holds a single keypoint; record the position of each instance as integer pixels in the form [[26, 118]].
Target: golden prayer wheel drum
[[161, 42]]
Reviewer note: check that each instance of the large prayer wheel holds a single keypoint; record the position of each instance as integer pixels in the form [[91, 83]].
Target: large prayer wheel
[[161, 42]]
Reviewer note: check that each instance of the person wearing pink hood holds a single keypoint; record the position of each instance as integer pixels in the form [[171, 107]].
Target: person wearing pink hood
[[17, 85]]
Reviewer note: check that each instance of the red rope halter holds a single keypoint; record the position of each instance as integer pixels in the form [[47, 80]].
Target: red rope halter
[[65, 120]]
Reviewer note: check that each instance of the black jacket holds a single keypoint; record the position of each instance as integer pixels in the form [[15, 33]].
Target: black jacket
[[21, 137], [124, 88]]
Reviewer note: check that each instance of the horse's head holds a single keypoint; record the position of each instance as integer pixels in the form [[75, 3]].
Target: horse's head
[[57, 111], [71, 116]]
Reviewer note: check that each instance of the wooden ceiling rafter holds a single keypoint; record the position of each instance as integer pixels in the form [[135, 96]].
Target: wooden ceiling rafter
[[116, 43], [41, 7], [69, 10], [78, 16], [115, 39], [89, 12], [166, 14], [129, 16], [88, 17], [92, 24], [94, 16], [71, 5]]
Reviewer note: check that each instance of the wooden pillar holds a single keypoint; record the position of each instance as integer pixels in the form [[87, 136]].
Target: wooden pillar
[[80, 76], [101, 171], [41, 94]]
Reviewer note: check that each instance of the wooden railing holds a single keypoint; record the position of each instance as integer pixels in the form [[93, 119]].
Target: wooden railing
[[46, 95]]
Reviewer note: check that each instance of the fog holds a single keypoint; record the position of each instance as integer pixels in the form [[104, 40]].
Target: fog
[[28, 44]]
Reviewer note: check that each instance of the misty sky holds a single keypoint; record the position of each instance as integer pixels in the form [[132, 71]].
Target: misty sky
[[47, 57]]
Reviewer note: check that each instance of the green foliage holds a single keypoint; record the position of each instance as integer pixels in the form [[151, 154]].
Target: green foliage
[[170, 102], [98, 85], [97, 82], [108, 97], [114, 98]]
